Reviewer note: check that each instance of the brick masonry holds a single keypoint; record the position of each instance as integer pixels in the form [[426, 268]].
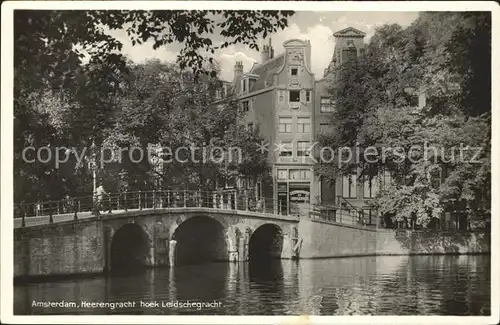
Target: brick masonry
[[321, 240], [85, 246]]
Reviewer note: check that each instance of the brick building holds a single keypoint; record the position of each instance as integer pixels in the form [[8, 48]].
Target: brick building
[[281, 97]]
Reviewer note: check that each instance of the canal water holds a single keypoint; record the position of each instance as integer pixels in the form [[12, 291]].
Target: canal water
[[382, 285]]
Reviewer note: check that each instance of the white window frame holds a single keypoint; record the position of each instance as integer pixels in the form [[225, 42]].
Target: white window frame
[[350, 186], [288, 127], [331, 106], [308, 96], [301, 127], [286, 144], [303, 148]]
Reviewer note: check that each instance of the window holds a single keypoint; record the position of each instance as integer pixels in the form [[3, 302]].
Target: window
[[245, 106], [294, 174], [325, 128], [370, 186], [386, 178], [308, 96], [326, 105], [435, 175], [294, 96], [285, 125], [250, 127], [218, 93], [281, 96], [251, 83], [305, 174], [294, 71], [302, 174], [348, 55], [303, 124], [282, 174], [244, 85], [286, 149], [349, 186], [303, 148]]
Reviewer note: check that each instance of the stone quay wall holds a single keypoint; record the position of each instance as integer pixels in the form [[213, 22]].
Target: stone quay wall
[[327, 239]]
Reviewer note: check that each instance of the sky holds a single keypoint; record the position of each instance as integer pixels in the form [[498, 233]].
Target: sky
[[318, 27]]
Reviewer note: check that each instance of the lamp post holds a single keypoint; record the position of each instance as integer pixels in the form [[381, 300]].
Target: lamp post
[[93, 166]]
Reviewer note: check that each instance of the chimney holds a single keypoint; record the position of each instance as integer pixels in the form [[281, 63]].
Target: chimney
[[265, 55], [238, 69]]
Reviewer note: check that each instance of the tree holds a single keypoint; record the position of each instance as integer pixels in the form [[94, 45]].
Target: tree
[[70, 56], [199, 143], [376, 107]]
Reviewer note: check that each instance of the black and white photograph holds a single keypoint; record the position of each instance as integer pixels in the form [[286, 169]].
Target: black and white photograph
[[244, 158]]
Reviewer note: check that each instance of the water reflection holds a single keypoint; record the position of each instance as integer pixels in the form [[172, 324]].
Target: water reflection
[[426, 285]]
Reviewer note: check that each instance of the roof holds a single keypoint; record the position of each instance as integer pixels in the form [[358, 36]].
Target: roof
[[266, 72], [349, 32]]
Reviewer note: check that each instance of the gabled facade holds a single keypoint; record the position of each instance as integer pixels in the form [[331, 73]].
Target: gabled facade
[[349, 44], [282, 99]]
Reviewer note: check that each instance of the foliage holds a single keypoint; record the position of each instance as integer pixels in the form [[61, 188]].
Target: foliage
[[447, 55], [165, 107], [70, 82]]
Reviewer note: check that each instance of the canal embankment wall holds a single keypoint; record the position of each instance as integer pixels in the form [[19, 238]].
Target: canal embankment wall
[[68, 248], [322, 239], [59, 249]]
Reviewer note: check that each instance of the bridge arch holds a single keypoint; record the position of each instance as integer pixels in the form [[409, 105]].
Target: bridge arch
[[130, 248], [200, 239], [266, 242]]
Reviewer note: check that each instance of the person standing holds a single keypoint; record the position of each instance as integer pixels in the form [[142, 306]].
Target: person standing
[[100, 192]]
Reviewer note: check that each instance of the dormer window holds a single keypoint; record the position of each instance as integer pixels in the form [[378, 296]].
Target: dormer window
[[247, 82], [251, 83], [244, 85]]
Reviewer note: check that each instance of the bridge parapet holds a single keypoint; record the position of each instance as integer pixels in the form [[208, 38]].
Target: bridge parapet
[[143, 202]]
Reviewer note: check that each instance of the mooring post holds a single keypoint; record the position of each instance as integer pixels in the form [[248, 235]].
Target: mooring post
[[51, 219], [23, 215]]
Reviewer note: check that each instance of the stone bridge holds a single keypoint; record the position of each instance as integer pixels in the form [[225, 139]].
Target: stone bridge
[[153, 237], [172, 229]]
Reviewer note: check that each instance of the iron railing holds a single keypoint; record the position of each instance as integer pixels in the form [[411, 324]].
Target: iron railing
[[140, 200], [342, 211], [229, 199]]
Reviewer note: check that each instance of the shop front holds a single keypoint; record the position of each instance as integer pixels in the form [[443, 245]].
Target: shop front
[[293, 191]]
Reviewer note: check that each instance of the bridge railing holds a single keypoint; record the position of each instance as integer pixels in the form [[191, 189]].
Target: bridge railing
[[79, 207], [342, 212], [229, 199]]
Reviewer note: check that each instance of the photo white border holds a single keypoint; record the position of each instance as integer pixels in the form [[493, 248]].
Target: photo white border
[[6, 147]]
